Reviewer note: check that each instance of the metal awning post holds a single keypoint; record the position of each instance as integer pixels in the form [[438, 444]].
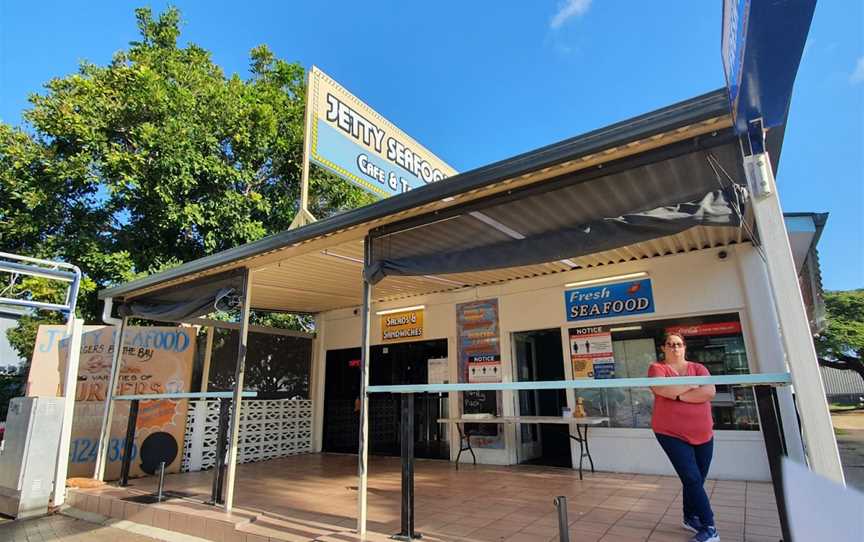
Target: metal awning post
[[772, 432], [208, 356], [108, 416], [822, 452], [233, 448], [363, 452], [407, 457], [129, 443]]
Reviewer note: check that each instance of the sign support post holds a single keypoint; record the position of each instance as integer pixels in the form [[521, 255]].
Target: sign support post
[[822, 452], [303, 216]]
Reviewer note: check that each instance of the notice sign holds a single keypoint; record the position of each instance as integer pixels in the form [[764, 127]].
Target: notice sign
[[608, 301], [399, 326], [484, 369], [591, 353], [352, 140]]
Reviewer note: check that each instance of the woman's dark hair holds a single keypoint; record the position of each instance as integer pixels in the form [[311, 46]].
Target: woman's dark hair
[[666, 337]]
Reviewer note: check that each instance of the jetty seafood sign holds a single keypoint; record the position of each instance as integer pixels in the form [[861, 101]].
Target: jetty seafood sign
[[609, 300], [352, 140]]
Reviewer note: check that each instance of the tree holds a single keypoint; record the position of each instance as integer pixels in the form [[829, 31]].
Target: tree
[[156, 159], [841, 345]]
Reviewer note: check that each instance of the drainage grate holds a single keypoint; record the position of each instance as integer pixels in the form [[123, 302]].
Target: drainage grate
[[152, 498]]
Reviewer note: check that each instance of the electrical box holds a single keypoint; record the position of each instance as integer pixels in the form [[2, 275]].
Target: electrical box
[[28, 455]]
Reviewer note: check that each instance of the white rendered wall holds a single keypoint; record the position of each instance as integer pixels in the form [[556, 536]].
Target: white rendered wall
[[692, 284]]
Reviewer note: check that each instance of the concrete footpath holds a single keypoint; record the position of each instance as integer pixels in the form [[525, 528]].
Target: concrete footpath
[[75, 526], [849, 427], [65, 528]]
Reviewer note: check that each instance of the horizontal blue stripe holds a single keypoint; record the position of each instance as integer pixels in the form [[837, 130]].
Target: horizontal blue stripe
[[339, 149], [781, 379], [176, 396]]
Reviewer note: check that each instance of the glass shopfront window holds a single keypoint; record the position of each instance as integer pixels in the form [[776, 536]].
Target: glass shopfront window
[[715, 341]]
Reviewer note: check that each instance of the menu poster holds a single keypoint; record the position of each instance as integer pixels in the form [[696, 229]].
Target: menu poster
[[591, 352], [479, 350], [155, 360]]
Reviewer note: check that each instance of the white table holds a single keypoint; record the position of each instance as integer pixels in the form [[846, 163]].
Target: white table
[[582, 424]]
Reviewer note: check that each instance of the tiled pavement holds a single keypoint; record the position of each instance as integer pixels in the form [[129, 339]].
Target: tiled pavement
[[313, 497], [65, 529]]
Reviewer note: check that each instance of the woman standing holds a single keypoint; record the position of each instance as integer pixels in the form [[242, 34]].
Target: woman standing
[[683, 426]]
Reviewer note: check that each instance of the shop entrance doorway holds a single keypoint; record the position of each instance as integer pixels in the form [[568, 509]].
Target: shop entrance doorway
[[537, 356], [399, 363]]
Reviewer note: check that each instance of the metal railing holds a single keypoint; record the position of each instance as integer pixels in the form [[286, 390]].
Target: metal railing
[[764, 386]]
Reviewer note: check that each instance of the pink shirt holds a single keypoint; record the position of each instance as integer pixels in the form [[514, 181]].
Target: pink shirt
[[690, 422]]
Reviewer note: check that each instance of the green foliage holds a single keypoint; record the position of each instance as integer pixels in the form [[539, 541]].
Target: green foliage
[[22, 337], [154, 159], [11, 386], [844, 336]]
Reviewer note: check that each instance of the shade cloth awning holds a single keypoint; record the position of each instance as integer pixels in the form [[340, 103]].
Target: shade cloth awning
[[634, 200], [198, 298]]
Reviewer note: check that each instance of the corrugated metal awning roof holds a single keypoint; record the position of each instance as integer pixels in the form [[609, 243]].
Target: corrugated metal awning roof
[[318, 267], [678, 122]]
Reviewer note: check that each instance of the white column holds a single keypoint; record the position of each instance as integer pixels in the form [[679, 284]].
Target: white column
[[767, 342], [363, 452], [795, 328], [236, 406], [316, 392], [569, 393], [70, 385], [108, 416]]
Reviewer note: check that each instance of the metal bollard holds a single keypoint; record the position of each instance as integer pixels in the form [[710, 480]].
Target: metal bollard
[[161, 481], [563, 523], [129, 443]]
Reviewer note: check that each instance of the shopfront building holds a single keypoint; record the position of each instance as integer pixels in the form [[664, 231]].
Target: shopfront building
[[698, 293]]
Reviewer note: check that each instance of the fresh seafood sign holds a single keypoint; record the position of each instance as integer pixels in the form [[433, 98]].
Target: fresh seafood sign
[[609, 300]]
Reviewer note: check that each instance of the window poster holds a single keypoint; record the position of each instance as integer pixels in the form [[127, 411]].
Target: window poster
[[438, 372], [479, 351], [591, 352]]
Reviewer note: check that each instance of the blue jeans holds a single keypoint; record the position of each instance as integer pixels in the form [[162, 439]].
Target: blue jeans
[[691, 463]]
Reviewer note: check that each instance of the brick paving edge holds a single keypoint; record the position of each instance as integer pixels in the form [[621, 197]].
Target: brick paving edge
[[145, 530]]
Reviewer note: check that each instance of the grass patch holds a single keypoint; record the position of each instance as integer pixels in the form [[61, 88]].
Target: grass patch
[[836, 407], [840, 432]]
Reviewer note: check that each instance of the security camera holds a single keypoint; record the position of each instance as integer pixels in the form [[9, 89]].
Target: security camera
[[722, 255]]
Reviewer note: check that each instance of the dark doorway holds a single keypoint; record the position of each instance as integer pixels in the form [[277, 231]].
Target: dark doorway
[[399, 363], [538, 356]]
